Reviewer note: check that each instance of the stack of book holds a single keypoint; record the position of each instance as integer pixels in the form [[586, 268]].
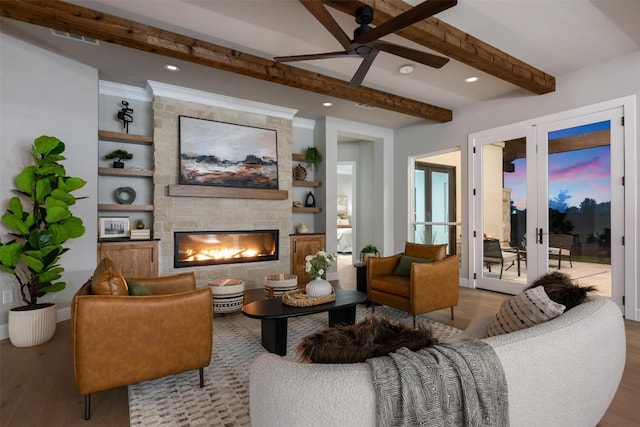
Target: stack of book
[[140, 234]]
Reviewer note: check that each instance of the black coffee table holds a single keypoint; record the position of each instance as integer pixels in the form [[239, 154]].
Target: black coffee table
[[273, 316]]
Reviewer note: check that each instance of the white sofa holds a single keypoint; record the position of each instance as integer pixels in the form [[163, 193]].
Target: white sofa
[[562, 373]]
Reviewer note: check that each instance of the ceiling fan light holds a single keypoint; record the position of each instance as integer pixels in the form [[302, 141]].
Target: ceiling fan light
[[406, 69]]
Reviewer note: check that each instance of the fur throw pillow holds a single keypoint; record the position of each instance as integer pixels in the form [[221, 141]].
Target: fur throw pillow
[[371, 337], [561, 289]]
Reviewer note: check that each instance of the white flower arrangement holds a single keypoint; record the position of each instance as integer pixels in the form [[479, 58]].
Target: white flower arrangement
[[316, 265]]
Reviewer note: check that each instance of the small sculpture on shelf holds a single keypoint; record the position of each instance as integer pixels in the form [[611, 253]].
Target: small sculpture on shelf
[[119, 155], [125, 115], [310, 200]]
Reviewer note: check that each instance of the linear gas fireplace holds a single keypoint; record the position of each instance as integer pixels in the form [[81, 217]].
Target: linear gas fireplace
[[199, 248]]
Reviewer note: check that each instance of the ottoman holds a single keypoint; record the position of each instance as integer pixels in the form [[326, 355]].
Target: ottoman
[[227, 293], [277, 284]]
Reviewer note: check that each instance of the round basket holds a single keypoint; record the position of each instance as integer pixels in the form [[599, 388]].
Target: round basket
[[299, 298], [279, 284]]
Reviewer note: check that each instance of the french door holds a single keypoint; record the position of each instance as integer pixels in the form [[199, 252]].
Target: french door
[[435, 205], [553, 196]]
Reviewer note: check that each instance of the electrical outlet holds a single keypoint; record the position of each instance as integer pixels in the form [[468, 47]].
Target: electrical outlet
[[7, 297]]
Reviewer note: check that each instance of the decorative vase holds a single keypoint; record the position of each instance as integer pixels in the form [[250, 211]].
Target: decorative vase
[[32, 326], [299, 173], [318, 287]]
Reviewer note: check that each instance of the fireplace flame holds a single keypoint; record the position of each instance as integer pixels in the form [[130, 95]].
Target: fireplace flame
[[217, 254]]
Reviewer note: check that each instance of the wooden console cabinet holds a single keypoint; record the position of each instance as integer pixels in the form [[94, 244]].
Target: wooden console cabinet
[[133, 258], [301, 246]]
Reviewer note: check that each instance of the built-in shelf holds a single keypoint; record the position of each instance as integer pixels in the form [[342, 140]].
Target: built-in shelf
[[122, 207], [106, 135], [297, 157], [297, 183], [306, 210], [124, 172]]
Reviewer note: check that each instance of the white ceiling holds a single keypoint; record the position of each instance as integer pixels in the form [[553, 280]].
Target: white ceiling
[[556, 36]]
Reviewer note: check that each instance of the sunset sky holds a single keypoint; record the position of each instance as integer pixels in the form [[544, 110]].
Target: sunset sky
[[581, 173]]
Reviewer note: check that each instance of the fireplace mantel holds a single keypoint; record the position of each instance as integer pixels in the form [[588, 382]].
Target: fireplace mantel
[[226, 192]]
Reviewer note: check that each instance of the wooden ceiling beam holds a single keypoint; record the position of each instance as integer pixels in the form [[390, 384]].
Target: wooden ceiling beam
[[108, 28], [456, 44]]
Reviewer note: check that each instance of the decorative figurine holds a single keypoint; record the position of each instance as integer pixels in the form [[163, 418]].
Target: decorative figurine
[[126, 115]]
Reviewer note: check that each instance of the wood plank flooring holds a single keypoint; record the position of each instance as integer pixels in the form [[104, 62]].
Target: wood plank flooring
[[37, 386]]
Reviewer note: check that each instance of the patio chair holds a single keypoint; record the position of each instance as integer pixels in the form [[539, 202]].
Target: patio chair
[[493, 254], [559, 245]]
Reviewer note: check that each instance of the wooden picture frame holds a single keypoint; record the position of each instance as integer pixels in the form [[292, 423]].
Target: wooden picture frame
[[113, 227]]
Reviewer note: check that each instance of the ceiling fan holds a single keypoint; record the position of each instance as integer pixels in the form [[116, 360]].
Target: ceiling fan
[[366, 43]]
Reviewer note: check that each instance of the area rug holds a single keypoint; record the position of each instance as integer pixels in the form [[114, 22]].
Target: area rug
[[224, 401]]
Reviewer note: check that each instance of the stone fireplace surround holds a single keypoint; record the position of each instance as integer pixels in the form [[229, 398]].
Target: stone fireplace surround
[[206, 213]]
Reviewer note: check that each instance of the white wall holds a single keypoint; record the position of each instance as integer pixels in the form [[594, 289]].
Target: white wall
[[605, 81], [302, 134], [43, 93]]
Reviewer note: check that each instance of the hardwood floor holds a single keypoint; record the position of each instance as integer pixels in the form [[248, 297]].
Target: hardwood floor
[[38, 388]]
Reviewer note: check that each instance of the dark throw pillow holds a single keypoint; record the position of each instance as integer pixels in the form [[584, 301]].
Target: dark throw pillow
[[561, 289], [137, 289], [404, 266], [371, 337]]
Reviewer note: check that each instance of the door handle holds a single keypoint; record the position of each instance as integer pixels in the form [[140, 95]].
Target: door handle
[[540, 235]]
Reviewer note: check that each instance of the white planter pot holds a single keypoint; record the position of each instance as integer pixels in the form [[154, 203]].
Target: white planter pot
[[32, 327], [318, 288]]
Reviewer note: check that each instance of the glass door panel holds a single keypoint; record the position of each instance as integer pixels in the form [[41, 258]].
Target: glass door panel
[[583, 201], [503, 195], [435, 205]]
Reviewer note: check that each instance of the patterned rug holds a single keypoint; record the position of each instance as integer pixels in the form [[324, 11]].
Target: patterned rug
[[224, 401]]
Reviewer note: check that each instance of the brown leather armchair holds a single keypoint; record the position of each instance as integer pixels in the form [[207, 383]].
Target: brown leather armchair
[[121, 340], [429, 287]]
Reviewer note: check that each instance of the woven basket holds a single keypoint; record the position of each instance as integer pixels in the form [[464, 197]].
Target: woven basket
[[299, 298]]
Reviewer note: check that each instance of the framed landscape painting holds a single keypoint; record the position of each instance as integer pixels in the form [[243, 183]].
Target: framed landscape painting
[[227, 155]]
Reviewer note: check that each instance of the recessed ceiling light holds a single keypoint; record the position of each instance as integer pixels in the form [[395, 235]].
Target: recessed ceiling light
[[406, 69], [171, 67], [471, 79], [327, 104]]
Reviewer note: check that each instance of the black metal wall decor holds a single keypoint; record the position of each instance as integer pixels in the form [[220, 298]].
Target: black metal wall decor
[[126, 115]]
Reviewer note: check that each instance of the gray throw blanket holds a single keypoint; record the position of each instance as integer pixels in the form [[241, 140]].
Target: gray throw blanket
[[456, 384]]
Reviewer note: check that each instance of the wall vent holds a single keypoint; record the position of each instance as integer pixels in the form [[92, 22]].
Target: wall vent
[[366, 106], [76, 37]]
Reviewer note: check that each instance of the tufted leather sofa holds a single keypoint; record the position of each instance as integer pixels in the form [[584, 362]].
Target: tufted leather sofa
[[429, 287], [121, 340]]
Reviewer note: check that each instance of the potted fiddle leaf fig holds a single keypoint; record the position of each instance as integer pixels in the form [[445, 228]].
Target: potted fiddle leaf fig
[[119, 156], [40, 222]]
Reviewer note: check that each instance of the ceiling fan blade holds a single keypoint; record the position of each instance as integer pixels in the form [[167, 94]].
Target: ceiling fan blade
[[320, 12], [311, 56], [358, 77], [425, 58], [417, 13]]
